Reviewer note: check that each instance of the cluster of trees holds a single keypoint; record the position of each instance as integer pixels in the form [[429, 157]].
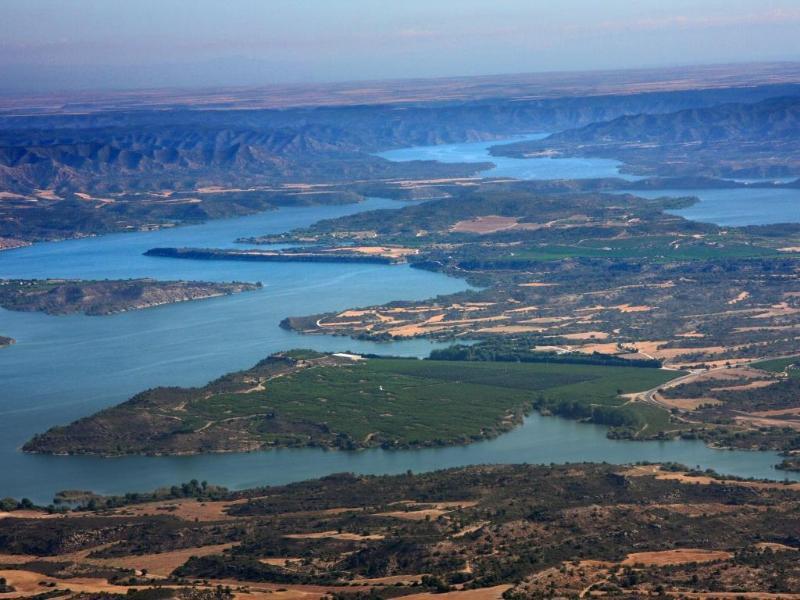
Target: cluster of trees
[[11, 504], [519, 350], [201, 490], [614, 416]]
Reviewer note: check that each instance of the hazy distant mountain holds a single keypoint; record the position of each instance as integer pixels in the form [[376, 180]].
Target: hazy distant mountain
[[732, 140], [773, 119], [182, 149]]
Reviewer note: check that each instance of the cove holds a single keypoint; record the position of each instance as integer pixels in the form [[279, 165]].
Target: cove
[[736, 207], [725, 207], [66, 367]]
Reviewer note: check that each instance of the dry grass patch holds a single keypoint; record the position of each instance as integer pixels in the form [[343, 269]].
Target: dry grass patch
[[738, 595], [607, 348], [586, 335], [781, 309], [715, 364], [336, 535], [668, 353], [285, 561], [648, 347], [16, 559], [489, 593], [29, 583], [775, 547], [189, 510], [29, 514], [628, 308], [704, 480], [777, 413], [388, 251], [512, 329], [740, 298], [484, 225], [747, 386], [432, 511], [703, 509], [391, 580], [675, 557], [686, 403], [545, 320], [767, 422], [162, 564]]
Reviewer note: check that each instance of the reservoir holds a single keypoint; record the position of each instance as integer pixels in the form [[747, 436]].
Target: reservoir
[[737, 207], [726, 207], [63, 368], [517, 168]]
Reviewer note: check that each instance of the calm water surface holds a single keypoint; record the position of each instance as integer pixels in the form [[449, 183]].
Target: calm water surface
[[63, 368], [737, 207], [518, 168], [732, 207]]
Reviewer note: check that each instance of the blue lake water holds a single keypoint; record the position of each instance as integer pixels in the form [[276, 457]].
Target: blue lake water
[[730, 207], [517, 168], [737, 207], [63, 368]]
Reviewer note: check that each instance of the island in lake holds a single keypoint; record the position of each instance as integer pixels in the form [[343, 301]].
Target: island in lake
[[64, 296]]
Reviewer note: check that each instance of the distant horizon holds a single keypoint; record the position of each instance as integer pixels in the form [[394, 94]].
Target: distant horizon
[[345, 83], [47, 45]]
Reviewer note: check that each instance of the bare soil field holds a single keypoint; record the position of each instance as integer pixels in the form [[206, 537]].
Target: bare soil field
[[161, 564], [482, 225], [685, 403], [490, 593], [189, 510], [387, 251], [640, 471], [30, 583], [675, 557]]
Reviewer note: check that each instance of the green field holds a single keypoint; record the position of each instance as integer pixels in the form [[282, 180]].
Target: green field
[[790, 366], [311, 399], [411, 402]]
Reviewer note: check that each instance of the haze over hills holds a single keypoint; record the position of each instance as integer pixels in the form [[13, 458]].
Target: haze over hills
[[118, 169], [178, 149], [772, 119], [746, 140]]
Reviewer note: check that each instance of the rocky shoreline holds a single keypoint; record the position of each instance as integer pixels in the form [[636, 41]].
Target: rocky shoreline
[[328, 255], [98, 298]]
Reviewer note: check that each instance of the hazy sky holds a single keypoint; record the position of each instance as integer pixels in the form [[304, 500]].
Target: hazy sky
[[134, 43]]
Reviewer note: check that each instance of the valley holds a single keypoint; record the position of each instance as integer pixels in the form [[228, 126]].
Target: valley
[[420, 300], [571, 269]]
